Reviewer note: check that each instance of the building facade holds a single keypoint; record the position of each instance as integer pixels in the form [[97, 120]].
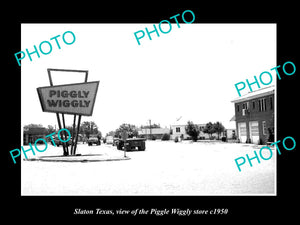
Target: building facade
[[178, 130], [155, 133], [30, 135], [254, 116]]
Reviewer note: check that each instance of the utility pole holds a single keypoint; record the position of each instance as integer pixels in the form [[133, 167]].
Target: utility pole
[[150, 130]]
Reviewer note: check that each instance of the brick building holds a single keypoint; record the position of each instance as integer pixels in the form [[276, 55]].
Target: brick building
[[254, 116]]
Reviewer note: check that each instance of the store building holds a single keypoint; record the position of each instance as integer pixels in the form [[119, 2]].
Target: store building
[[31, 134], [254, 116]]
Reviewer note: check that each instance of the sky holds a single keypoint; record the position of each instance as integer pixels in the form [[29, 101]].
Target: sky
[[189, 72]]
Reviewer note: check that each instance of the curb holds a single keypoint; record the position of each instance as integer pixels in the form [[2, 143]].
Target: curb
[[78, 158]]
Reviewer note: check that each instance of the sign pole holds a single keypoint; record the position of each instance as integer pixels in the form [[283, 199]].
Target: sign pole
[[57, 114], [124, 150], [73, 132], [59, 126], [124, 138], [65, 134], [78, 126], [76, 98]]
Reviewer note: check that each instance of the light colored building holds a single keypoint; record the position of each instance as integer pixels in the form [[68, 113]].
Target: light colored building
[[157, 133], [177, 129]]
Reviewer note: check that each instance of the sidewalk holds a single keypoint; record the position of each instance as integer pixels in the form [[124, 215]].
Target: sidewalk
[[79, 158]]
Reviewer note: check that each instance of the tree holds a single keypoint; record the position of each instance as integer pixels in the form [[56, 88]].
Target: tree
[[219, 128], [165, 137], [129, 128], [32, 125], [70, 128], [88, 128], [111, 133], [209, 129], [50, 129], [193, 130]]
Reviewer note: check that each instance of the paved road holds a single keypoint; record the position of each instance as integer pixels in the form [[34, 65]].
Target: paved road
[[165, 168]]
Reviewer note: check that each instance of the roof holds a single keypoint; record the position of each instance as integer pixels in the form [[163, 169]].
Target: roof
[[36, 130], [256, 94], [183, 125], [183, 122], [233, 118]]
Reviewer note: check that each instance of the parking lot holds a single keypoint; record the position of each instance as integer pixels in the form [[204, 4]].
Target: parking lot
[[165, 168]]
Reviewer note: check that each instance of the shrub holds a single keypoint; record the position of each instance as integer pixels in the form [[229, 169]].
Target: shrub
[[176, 139], [224, 139], [165, 137]]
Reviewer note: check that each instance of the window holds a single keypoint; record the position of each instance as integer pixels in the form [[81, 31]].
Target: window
[[264, 127], [246, 105], [177, 129], [265, 104], [242, 129], [271, 102], [254, 128], [253, 105], [262, 104], [237, 107]]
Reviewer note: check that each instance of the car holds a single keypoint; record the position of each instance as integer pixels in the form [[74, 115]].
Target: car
[[59, 142], [93, 140]]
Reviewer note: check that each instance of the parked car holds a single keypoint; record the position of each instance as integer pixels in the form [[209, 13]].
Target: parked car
[[93, 140]]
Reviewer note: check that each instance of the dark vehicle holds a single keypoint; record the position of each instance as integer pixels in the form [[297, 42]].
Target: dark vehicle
[[59, 142], [115, 141], [93, 140], [131, 144]]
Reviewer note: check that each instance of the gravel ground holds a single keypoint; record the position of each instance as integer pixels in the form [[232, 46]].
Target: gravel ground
[[165, 168]]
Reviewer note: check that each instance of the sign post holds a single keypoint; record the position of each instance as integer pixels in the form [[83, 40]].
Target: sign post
[[124, 138], [75, 99]]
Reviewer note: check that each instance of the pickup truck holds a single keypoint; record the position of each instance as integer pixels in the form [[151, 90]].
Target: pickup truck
[[93, 140], [131, 144]]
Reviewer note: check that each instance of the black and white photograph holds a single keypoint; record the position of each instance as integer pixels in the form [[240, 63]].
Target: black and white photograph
[[167, 117]]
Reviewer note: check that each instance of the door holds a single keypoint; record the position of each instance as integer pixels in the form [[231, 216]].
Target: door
[[254, 132], [242, 132]]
